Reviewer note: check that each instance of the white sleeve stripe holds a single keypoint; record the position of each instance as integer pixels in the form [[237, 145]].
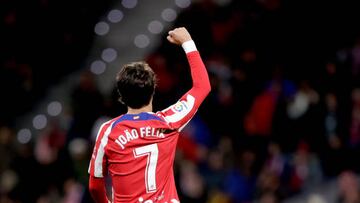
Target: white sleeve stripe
[[97, 136], [188, 105], [98, 165], [100, 129], [189, 46]]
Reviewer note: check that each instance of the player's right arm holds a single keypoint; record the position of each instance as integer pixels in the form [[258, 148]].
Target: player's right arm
[[98, 190], [97, 167], [179, 114]]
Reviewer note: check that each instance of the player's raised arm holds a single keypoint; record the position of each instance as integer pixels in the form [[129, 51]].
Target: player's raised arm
[[200, 79], [180, 113]]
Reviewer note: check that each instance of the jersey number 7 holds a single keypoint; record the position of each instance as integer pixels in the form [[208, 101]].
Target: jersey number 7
[[152, 153]]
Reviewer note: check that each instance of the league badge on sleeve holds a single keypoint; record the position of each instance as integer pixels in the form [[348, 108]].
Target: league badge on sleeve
[[179, 106]]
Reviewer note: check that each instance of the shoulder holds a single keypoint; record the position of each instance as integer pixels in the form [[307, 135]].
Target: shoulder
[[109, 122], [103, 125]]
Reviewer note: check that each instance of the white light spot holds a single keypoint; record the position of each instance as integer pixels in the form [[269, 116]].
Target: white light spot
[[54, 108], [183, 3], [39, 121], [24, 136], [98, 67], [169, 14], [102, 28], [115, 16], [109, 55], [129, 3], [78, 147], [141, 41], [155, 27]]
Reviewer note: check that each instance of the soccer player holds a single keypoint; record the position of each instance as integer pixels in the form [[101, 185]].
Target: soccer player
[[137, 149]]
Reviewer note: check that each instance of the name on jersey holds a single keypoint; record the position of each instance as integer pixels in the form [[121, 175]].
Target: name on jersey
[[134, 134]]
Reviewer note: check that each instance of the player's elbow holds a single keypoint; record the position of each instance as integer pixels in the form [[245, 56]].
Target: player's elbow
[[204, 87], [207, 87]]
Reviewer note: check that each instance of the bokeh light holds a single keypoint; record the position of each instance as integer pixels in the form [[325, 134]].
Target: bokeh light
[[183, 3], [54, 108], [169, 14], [109, 55], [24, 136], [115, 16], [141, 41], [155, 27], [102, 28], [40, 121], [129, 3], [98, 67]]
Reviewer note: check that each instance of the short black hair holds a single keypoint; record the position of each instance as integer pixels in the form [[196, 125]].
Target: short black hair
[[136, 84]]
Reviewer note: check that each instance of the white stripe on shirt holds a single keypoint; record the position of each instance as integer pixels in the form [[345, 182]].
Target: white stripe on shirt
[[98, 168], [97, 136], [188, 105]]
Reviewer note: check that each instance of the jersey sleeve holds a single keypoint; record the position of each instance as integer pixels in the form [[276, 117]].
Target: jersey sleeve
[[98, 190], [180, 113], [97, 166]]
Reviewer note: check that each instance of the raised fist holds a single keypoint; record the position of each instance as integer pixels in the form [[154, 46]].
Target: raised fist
[[178, 36]]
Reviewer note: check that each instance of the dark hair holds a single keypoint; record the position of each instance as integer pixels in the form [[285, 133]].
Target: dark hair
[[136, 84]]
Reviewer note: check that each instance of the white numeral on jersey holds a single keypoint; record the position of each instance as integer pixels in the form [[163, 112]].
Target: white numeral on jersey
[[150, 172]]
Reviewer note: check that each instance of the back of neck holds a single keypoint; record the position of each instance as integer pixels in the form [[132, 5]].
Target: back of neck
[[147, 108]]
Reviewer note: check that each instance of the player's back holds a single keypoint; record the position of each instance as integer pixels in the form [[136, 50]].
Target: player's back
[[138, 150], [140, 154]]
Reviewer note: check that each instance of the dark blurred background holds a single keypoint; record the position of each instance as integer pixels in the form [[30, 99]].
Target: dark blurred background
[[282, 123]]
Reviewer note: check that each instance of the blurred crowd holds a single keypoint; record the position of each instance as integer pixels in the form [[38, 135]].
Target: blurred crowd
[[41, 42], [283, 116]]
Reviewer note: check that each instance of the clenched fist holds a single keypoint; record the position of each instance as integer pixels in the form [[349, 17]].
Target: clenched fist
[[178, 36]]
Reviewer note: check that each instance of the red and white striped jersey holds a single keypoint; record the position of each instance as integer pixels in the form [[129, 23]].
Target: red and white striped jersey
[[138, 150]]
